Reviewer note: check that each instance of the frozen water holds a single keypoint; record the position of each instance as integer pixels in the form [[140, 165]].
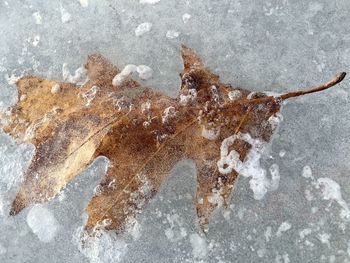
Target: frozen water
[[260, 45], [143, 28], [43, 223]]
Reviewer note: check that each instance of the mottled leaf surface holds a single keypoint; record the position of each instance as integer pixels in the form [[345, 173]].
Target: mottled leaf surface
[[142, 132]]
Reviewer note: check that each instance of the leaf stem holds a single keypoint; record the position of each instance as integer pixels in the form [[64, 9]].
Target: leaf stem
[[286, 96]]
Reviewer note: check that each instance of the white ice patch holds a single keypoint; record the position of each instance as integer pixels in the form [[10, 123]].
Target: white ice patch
[[303, 233], [151, 2], [143, 71], [12, 164], [275, 120], [268, 233], [234, 94], [331, 191], [79, 78], [282, 153], [133, 227], [65, 16], [199, 246], [103, 248], [186, 17], [12, 79], [168, 114], [307, 172], [143, 28], [285, 226], [84, 3], [190, 97], [176, 231], [90, 95], [42, 223], [282, 259], [172, 34], [250, 167], [210, 134], [55, 88], [36, 40], [324, 238], [38, 18]]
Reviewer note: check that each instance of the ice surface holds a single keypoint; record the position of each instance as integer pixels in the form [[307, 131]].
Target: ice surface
[[260, 45], [143, 28], [43, 223]]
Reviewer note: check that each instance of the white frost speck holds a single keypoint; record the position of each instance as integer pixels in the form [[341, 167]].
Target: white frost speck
[[55, 88], [143, 28], [65, 16], [151, 2], [307, 172], [90, 95], [84, 3], [261, 252], [168, 114], [250, 167], [234, 94], [171, 34], [186, 17], [210, 134], [285, 226], [79, 78], [104, 247], [268, 233], [43, 223], [199, 246], [38, 18], [127, 70], [324, 238], [143, 71], [303, 233], [134, 228], [282, 153], [274, 120], [331, 191], [36, 40], [12, 79], [176, 231], [190, 97]]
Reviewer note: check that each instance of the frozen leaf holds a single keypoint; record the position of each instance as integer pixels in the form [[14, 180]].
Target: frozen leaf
[[143, 133]]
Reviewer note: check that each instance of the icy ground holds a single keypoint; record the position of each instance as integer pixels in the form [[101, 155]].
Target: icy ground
[[260, 45]]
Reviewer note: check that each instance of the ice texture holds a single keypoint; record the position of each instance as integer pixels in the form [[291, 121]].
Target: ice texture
[[277, 46], [42, 223]]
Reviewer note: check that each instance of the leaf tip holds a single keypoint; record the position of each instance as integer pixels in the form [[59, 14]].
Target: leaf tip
[[17, 206]]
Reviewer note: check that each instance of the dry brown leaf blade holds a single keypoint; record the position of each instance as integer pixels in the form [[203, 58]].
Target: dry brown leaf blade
[[143, 133]]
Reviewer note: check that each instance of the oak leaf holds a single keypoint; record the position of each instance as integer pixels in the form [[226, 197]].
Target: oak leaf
[[142, 132]]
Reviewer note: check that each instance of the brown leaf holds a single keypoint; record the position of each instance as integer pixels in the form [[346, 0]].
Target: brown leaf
[[142, 132]]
